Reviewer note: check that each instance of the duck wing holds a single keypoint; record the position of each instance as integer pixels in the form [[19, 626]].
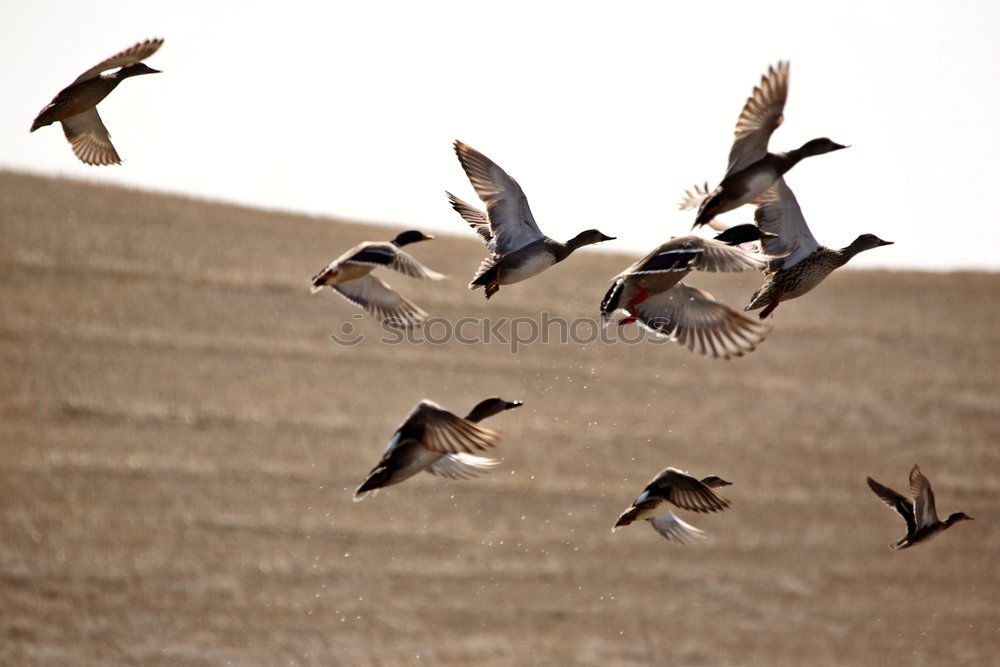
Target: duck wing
[[925, 513], [511, 224], [761, 116], [446, 433], [670, 526], [897, 502], [380, 301], [687, 492], [778, 212], [696, 320], [90, 139], [476, 218], [129, 56], [462, 466]]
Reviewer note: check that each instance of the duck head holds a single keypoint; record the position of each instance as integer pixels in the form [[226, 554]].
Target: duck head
[[589, 237], [411, 236], [491, 406], [135, 69], [744, 234], [958, 516], [820, 146], [865, 242]]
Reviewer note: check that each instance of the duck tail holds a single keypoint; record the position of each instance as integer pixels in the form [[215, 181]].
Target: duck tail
[[610, 302], [377, 478], [487, 273], [627, 517]]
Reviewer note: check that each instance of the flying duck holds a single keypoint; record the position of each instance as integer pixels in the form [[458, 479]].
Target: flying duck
[[651, 293], [350, 276], [752, 169], [921, 517], [801, 263], [518, 249], [76, 105], [435, 440], [677, 488]]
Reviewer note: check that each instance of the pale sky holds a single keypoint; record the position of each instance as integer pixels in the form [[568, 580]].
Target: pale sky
[[604, 112]]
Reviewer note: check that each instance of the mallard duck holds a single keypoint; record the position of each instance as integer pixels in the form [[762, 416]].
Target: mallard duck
[[350, 276], [76, 105], [752, 169], [802, 262], [518, 249], [677, 488], [435, 440], [651, 293], [921, 517]]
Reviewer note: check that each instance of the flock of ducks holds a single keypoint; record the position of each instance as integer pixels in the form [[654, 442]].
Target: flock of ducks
[[649, 292]]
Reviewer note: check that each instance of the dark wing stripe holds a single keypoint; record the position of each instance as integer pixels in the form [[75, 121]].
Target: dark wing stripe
[[373, 255]]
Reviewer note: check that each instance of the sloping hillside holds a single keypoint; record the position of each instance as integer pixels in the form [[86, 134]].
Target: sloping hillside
[[180, 439]]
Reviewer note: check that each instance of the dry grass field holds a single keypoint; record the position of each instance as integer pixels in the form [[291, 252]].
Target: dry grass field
[[180, 438]]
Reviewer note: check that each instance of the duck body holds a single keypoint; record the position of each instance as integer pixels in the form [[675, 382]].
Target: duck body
[[800, 263], [76, 99], [752, 168], [518, 248], [349, 276], [76, 105], [678, 488], [434, 440], [920, 514], [796, 280], [652, 294]]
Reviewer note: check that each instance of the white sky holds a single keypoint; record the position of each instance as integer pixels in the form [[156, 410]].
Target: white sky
[[604, 112]]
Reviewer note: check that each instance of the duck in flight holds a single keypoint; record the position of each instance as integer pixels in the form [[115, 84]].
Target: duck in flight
[[76, 105], [677, 488], [752, 169], [801, 262], [350, 276], [921, 517], [518, 249], [435, 440], [651, 292]]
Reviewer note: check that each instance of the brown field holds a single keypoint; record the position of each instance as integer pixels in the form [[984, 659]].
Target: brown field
[[180, 439]]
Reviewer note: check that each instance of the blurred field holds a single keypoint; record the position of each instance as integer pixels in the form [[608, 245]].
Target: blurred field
[[179, 441]]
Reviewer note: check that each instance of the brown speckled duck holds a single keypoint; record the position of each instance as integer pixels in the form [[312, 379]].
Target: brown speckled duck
[[806, 263], [76, 105], [921, 517], [752, 169], [518, 249], [677, 488], [435, 440]]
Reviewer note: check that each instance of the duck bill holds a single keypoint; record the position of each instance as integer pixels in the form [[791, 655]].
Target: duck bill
[[882, 243]]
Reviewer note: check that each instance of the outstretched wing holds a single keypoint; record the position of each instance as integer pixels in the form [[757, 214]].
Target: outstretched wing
[[89, 138], [761, 116], [778, 212], [696, 320], [462, 466], [380, 301], [687, 492], [670, 526], [449, 434], [925, 513], [129, 56], [511, 222], [897, 502], [476, 218]]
